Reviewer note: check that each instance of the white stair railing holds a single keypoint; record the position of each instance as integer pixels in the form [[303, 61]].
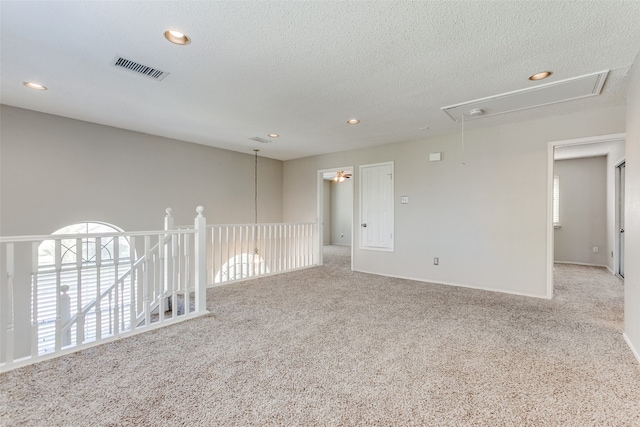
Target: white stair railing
[[244, 251], [108, 298], [75, 301]]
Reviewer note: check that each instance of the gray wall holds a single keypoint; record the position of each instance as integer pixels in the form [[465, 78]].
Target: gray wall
[[341, 212], [632, 213], [57, 171], [583, 211], [486, 220]]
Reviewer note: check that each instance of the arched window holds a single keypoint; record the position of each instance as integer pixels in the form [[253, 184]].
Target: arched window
[[241, 266], [100, 261]]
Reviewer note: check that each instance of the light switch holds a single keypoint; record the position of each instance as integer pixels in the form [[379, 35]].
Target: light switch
[[404, 200]]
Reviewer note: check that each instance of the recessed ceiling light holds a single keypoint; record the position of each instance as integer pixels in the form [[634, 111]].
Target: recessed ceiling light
[[32, 85], [177, 37], [273, 135], [353, 121], [540, 76]]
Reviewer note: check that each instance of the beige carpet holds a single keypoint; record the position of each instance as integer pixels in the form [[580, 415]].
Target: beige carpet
[[326, 346]]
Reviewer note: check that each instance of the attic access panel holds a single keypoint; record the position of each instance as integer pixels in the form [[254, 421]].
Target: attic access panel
[[550, 93]]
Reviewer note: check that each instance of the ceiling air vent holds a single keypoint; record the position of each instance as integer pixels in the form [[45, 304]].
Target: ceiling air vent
[[262, 140], [537, 96], [135, 67]]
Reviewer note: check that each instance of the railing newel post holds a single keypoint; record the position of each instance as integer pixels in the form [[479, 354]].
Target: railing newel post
[[65, 314], [200, 255]]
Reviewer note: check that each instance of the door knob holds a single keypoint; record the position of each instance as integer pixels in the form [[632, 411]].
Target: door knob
[[364, 225], [622, 230]]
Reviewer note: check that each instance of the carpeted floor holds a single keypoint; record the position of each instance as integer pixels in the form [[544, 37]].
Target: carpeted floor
[[330, 347]]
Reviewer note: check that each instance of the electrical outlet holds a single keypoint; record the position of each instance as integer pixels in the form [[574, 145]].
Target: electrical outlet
[[436, 261], [595, 249]]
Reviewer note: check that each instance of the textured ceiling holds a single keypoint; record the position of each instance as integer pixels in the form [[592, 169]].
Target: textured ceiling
[[301, 69]]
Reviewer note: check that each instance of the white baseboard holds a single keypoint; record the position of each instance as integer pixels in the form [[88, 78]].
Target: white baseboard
[[460, 285], [610, 270], [633, 349], [582, 263]]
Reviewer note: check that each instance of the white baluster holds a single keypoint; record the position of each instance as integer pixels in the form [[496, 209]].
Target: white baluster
[[316, 243], [255, 252], [79, 310], [200, 261], [133, 285], [65, 314], [289, 247], [98, 246], [34, 298], [280, 247], [308, 247], [228, 254], [213, 255], [168, 263], [161, 294], [146, 299], [271, 249], [175, 265], [220, 263], [235, 254], [187, 270], [116, 289], [58, 266]]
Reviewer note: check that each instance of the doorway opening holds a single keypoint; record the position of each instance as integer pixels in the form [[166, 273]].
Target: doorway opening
[[588, 233], [335, 211]]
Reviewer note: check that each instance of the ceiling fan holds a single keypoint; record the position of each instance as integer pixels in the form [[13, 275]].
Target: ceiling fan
[[341, 176]]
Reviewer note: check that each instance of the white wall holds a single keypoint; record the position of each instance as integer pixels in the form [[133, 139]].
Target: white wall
[[57, 171], [485, 220], [341, 214], [632, 212], [583, 211], [614, 158]]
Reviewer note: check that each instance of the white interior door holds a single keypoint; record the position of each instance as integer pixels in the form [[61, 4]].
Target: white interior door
[[376, 206], [621, 219]]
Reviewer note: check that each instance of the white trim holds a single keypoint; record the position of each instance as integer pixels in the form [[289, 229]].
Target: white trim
[[28, 360], [633, 349], [459, 285], [586, 264], [550, 163], [319, 202]]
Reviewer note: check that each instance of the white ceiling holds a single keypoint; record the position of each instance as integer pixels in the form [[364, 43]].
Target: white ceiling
[[301, 69]]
